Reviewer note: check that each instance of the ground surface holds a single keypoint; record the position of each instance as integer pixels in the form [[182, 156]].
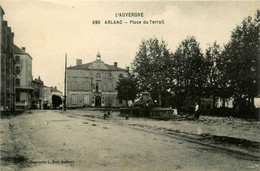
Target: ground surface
[[84, 140]]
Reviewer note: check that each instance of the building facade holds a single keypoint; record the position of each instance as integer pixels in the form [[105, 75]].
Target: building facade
[[46, 97], [55, 91], [37, 96], [23, 79], [46, 94], [7, 90], [93, 84]]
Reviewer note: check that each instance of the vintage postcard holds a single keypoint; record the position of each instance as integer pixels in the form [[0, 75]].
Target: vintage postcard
[[129, 85]]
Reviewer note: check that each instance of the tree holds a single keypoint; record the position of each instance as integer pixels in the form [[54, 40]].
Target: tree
[[56, 101], [190, 70], [151, 67], [215, 84], [242, 59], [127, 88]]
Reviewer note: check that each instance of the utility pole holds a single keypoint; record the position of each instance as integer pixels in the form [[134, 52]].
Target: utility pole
[[65, 83]]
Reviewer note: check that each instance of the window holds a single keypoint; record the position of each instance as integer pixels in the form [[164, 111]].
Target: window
[[103, 100], [109, 75], [17, 59], [86, 99], [85, 86], [17, 82], [17, 97], [8, 83], [98, 76], [17, 70], [97, 87], [74, 85], [74, 99]]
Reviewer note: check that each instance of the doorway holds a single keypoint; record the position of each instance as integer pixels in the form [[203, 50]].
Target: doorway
[[98, 101]]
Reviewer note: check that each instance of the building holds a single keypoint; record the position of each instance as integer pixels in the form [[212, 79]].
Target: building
[[93, 84], [56, 100], [37, 96], [55, 91], [7, 90], [23, 79], [47, 93], [46, 97], [42, 95]]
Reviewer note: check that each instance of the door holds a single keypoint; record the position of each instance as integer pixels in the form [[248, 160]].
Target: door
[[98, 101]]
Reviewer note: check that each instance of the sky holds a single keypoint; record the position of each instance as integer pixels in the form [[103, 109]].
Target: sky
[[49, 29]]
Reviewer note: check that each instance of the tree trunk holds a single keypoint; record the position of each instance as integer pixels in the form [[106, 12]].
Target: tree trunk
[[126, 103], [199, 102], [160, 99], [214, 101], [249, 102], [223, 102], [253, 101]]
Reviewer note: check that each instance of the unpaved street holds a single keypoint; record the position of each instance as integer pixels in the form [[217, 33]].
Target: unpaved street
[[83, 140]]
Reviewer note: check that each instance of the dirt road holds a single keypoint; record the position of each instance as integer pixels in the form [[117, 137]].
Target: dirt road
[[83, 140]]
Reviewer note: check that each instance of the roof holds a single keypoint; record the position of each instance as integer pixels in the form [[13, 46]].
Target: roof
[[17, 50], [53, 89], [87, 65], [2, 11]]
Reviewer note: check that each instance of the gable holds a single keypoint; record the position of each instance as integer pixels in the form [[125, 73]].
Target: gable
[[99, 65]]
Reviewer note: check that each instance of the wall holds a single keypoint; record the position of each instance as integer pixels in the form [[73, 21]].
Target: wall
[[7, 65]]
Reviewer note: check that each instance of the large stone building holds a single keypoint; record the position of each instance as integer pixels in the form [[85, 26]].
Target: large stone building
[[93, 84], [23, 80], [7, 65]]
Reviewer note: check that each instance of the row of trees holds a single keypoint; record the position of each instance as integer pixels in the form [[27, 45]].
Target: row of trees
[[229, 71]]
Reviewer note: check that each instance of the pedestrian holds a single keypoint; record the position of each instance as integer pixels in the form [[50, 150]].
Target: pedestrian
[[197, 115], [127, 116]]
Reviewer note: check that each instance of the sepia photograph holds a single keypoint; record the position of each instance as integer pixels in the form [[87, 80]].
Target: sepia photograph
[[129, 85]]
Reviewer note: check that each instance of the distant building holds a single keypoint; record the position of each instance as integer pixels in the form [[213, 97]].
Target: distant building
[[42, 95], [46, 97], [55, 91], [93, 84], [46, 94], [23, 79], [7, 90], [37, 96]]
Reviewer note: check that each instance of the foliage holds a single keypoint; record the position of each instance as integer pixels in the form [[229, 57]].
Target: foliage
[[190, 69], [241, 55], [216, 83], [231, 71], [151, 67], [127, 88], [56, 101]]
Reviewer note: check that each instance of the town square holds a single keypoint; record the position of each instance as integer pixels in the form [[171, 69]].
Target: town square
[[124, 85]]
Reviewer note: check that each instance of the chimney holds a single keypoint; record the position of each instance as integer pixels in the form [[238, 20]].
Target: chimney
[[78, 62], [127, 68], [23, 48], [115, 64], [55, 87]]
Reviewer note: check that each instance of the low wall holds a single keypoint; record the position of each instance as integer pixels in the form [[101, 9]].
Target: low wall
[[161, 113], [154, 113]]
